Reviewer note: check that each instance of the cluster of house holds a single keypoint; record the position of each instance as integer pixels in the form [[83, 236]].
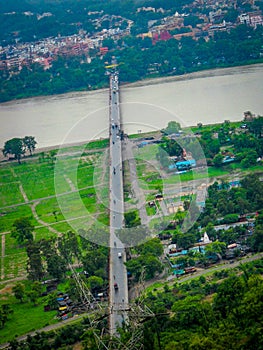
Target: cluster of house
[[172, 251], [44, 51], [79, 44], [211, 22]]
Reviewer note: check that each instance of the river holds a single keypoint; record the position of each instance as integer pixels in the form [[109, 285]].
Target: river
[[206, 97]]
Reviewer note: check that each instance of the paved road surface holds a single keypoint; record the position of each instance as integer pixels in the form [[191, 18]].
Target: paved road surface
[[118, 300]]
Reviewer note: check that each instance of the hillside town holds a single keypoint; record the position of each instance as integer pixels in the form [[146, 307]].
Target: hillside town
[[200, 19]]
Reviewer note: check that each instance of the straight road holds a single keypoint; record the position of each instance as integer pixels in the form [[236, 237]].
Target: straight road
[[118, 284], [136, 190]]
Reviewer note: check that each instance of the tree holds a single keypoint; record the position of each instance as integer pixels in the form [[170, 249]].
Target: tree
[[230, 218], [51, 300], [68, 246], [210, 230], [51, 156], [134, 266], [256, 126], [171, 146], [22, 230], [95, 262], [256, 240], [32, 296], [132, 219], [56, 266], [218, 158], [109, 43], [228, 295], [34, 292], [215, 248], [19, 291], [153, 247], [29, 143], [14, 147], [152, 266], [172, 128], [249, 160], [95, 282], [35, 267], [185, 240], [5, 311]]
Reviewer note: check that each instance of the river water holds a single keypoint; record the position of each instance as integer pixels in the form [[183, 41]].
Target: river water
[[207, 97]]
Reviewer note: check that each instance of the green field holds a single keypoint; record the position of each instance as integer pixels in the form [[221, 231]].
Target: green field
[[10, 214], [55, 195], [69, 194], [30, 319], [10, 193]]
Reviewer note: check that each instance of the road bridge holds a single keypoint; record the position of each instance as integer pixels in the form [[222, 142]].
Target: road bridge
[[118, 284]]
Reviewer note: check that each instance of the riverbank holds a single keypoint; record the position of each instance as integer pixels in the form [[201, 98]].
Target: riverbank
[[206, 97], [145, 82], [194, 75]]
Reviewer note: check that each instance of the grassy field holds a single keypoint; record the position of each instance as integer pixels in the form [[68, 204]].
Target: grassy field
[[68, 194], [30, 319], [50, 193], [10, 193]]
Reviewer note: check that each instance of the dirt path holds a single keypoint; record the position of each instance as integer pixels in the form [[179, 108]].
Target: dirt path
[[136, 190], [43, 223], [2, 257], [48, 197], [71, 185], [23, 193]]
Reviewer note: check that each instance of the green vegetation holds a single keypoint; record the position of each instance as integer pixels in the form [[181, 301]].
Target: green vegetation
[[145, 260], [140, 58], [48, 259], [132, 218], [196, 310], [18, 147], [33, 181], [186, 315], [43, 254], [22, 230], [36, 316]]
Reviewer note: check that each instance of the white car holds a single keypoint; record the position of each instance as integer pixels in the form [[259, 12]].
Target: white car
[[119, 255]]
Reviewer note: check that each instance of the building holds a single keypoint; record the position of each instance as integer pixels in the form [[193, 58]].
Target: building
[[252, 19], [185, 164]]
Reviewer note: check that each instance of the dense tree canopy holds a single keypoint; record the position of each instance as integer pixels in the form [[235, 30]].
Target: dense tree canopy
[[14, 147], [23, 230], [29, 143]]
